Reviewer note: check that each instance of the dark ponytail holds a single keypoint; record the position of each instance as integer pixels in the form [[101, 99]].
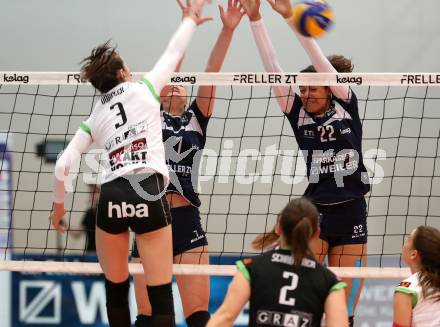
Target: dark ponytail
[[298, 222], [101, 67], [301, 234], [427, 242], [339, 62]]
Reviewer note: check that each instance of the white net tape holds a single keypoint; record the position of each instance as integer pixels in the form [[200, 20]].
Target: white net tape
[[182, 269], [367, 79]]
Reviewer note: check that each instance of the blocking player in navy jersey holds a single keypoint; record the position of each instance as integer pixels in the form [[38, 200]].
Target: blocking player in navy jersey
[[125, 123], [287, 286], [328, 130], [184, 135]]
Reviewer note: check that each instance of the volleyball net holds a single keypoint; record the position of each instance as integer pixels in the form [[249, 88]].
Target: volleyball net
[[250, 168]]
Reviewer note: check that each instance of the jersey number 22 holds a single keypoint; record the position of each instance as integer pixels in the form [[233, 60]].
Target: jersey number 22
[[326, 133]]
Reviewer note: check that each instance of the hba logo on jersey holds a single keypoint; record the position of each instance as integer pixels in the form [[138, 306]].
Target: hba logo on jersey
[[126, 210]]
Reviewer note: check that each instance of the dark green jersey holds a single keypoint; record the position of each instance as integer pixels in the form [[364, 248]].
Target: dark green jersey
[[285, 295]]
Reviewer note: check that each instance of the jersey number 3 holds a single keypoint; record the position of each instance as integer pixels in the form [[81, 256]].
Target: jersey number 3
[[120, 113], [292, 286]]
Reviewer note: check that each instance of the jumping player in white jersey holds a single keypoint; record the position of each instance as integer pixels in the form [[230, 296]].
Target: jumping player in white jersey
[[417, 298], [328, 130], [126, 123], [184, 134], [287, 286]]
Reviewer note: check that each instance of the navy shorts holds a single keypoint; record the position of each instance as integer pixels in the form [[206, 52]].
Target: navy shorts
[[344, 223], [188, 233], [122, 206]]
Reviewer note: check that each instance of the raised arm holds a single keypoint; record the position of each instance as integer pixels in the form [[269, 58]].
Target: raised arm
[[320, 62], [185, 13], [165, 66], [314, 52], [78, 145], [284, 94], [230, 19]]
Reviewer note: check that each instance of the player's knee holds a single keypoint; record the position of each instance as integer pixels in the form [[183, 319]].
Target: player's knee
[[161, 299], [117, 293], [198, 319]]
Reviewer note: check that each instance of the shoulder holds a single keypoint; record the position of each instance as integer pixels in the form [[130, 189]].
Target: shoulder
[[138, 87], [142, 90], [90, 123], [411, 282], [245, 267], [250, 266], [266, 256], [411, 287], [324, 272], [258, 259]]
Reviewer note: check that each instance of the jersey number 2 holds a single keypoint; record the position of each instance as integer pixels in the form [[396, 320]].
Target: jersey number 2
[[120, 113], [293, 285]]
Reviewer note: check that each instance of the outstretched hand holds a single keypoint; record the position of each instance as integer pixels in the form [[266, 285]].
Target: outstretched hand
[[233, 14], [193, 10], [56, 216], [283, 7], [251, 8]]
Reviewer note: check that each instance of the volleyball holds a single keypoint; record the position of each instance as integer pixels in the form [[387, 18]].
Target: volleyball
[[312, 18]]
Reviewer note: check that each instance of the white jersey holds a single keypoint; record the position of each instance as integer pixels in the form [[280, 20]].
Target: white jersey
[[425, 311], [126, 124]]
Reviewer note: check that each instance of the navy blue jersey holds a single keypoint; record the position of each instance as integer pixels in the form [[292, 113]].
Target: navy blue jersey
[[285, 295], [332, 147], [184, 139]]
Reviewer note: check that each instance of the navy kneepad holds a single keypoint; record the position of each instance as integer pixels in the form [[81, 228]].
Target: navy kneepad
[[118, 312], [161, 299], [117, 293], [198, 319], [143, 321]]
